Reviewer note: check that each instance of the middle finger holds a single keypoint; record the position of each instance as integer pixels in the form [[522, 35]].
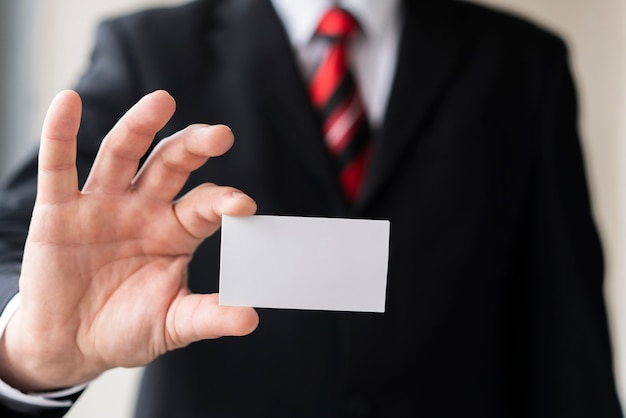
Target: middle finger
[[168, 167]]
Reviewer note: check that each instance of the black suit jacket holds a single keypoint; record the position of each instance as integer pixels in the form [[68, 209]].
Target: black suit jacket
[[494, 302]]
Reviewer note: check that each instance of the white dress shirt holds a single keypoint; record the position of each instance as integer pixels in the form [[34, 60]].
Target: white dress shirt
[[373, 61]]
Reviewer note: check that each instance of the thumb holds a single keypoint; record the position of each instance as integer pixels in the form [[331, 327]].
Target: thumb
[[195, 317]]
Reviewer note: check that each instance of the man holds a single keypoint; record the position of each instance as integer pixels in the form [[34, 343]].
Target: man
[[494, 303]]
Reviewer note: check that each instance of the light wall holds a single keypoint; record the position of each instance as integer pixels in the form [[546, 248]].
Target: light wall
[[17, 21], [596, 34]]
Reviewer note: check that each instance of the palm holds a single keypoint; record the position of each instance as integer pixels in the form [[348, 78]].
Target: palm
[[113, 264]]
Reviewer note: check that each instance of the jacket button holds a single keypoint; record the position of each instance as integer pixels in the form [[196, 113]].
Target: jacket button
[[357, 406]]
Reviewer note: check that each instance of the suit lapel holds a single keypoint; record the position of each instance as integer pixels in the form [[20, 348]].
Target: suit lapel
[[281, 95], [428, 55]]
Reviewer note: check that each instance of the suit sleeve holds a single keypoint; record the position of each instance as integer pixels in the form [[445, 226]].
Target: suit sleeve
[[565, 345]]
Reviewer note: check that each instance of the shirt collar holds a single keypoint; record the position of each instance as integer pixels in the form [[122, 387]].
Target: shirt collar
[[301, 17]]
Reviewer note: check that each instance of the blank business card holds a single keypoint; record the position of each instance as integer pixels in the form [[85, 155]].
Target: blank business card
[[289, 262]]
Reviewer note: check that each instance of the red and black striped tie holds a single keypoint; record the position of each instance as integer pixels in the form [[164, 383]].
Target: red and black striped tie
[[335, 95]]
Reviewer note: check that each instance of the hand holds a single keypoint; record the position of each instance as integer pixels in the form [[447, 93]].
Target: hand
[[104, 278]]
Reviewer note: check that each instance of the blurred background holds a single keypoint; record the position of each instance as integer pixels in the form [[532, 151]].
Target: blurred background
[[45, 44]]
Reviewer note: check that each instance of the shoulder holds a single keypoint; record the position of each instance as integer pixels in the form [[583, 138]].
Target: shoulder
[[486, 25], [162, 20], [170, 27]]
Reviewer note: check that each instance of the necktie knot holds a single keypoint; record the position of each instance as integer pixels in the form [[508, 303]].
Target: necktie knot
[[336, 24]]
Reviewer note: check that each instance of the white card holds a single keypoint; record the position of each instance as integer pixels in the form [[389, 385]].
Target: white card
[[304, 263]]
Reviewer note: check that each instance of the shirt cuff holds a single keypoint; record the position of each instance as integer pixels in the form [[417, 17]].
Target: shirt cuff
[[20, 400]]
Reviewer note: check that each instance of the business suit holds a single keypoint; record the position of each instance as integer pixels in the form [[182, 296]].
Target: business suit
[[494, 302]]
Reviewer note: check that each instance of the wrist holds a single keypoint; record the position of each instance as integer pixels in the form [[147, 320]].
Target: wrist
[[28, 364]]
